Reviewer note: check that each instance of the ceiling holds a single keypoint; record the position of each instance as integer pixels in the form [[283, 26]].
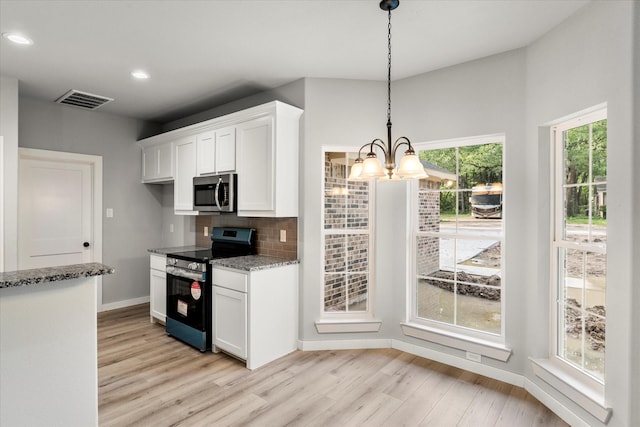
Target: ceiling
[[201, 54]]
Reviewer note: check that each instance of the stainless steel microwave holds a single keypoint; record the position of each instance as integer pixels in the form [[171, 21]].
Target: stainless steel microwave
[[215, 193]]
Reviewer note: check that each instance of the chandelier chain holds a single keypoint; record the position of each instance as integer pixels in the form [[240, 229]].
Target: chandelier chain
[[389, 70]]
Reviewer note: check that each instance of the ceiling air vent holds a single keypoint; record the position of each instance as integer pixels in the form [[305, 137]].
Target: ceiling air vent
[[88, 101]]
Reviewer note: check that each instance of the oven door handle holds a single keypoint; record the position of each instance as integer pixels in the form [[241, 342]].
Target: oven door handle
[[178, 272], [218, 194]]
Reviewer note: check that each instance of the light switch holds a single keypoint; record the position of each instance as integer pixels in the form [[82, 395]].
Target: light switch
[[109, 212], [206, 231], [170, 228], [283, 236]]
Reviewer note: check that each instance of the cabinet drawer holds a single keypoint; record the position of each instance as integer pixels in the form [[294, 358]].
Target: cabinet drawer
[[229, 279], [158, 262]]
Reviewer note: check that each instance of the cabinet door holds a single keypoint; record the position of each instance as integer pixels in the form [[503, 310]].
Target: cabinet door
[[165, 161], [157, 163], [185, 171], [149, 163], [225, 154], [255, 165], [230, 321], [158, 294], [206, 153]]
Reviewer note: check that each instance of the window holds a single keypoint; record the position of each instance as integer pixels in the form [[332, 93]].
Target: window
[[347, 214], [579, 245], [457, 236]]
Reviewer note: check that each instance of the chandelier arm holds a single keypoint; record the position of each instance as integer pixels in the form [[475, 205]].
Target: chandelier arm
[[403, 140], [378, 143]]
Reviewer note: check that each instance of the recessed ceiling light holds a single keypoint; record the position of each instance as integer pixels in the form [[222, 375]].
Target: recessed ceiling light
[[139, 74], [17, 38]]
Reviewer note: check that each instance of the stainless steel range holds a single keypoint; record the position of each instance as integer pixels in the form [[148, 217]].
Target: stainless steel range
[[189, 284]]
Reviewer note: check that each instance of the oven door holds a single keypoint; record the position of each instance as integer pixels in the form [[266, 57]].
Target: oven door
[[187, 299]]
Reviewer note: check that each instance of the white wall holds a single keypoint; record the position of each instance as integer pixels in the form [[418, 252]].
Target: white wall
[[481, 97], [137, 219], [184, 226], [9, 158], [635, 183], [585, 61], [339, 113]]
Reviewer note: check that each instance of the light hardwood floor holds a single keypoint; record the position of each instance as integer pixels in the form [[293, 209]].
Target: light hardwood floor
[[149, 379]]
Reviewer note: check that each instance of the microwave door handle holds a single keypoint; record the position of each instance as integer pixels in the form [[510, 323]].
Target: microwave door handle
[[217, 194]]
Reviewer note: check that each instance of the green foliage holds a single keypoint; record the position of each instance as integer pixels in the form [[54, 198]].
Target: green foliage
[[579, 154], [474, 164]]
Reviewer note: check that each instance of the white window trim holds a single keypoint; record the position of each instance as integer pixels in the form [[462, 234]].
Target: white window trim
[[581, 388], [587, 398], [340, 322], [484, 343], [557, 160]]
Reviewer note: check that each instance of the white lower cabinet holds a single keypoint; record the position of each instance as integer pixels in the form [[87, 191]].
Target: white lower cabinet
[[230, 321], [158, 287], [255, 314]]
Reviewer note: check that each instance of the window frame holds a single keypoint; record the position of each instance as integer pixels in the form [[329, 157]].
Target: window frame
[[357, 321], [491, 344], [594, 387]]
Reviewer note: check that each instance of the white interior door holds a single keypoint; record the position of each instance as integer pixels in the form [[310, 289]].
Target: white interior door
[[55, 213]]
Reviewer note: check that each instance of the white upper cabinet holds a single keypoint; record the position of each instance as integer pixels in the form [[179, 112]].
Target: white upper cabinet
[[205, 149], [260, 144], [226, 150], [267, 163], [216, 151], [185, 170], [256, 172], [157, 163]]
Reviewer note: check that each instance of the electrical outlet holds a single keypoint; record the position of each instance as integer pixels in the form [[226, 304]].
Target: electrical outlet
[[474, 357], [283, 236], [206, 231], [109, 212]]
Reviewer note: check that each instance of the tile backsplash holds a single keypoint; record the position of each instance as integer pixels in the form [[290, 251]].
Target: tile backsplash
[[268, 233]]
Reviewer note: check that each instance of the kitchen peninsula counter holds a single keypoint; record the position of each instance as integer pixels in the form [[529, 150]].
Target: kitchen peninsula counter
[[52, 274], [48, 342]]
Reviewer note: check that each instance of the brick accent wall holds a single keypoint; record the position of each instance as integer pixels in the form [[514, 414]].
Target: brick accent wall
[[428, 248], [346, 207], [268, 233]]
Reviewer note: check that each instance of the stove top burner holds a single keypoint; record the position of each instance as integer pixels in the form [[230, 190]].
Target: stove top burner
[[226, 243]]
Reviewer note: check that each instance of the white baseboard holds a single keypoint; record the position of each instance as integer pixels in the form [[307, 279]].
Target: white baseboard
[[467, 365], [478, 368], [556, 407], [124, 303], [343, 344]]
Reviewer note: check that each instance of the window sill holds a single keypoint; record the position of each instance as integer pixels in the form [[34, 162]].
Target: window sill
[[458, 341], [347, 325], [589, 400]]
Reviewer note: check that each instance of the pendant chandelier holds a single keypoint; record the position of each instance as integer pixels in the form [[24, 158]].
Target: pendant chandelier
[[410, 166]]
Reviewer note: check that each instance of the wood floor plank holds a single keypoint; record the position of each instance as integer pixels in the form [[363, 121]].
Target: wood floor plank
[[146, 378]]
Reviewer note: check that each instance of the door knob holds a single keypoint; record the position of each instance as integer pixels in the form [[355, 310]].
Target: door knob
[[86, 244]]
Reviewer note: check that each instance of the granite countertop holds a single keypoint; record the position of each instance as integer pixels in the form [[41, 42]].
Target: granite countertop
[[253, 262], [165, 251], [53, 274]]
